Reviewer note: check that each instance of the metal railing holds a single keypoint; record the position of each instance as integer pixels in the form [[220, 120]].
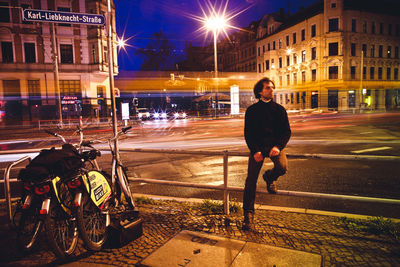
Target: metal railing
[[224, 187], [7, 192]]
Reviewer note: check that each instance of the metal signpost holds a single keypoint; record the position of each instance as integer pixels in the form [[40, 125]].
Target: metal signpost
[[60, 17]]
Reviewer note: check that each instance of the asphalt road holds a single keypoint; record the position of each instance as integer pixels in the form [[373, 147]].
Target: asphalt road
[[361, 134]]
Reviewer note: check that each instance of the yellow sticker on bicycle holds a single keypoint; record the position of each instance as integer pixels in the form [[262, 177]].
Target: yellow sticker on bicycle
[[98, 185]]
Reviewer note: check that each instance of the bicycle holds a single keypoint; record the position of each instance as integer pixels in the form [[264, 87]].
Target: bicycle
[[45, 202], [97, 196]]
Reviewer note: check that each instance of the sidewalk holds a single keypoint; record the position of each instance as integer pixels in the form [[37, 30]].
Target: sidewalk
[[163, 219]]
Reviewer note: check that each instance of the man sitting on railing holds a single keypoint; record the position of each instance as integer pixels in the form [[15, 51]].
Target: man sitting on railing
[[267, 132]]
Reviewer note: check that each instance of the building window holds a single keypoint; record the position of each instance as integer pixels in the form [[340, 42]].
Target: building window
[[287, 40], [313, 53], [396, 52], [380, 73], [333, 72], [7, 52], [372, 51], [313, 30], [64, 9], [373, 27], [313, 75], [298, 98], [280, 43], [389, 52], [303, 77], [380, 28], [294, 38], [259, 68], [364, 73], [372, 73], [390, 29], [70, 88], [333, 5], [303, 56], [333, 49], [364, 49], [294, 58], [288, 61], [291, 98], [34, 91], [280, 62], [353, 72], [388, 73], [269, 47], [288, 79], [333, 25], [30, 55], [66, 54], [303, 34], [295, 78], [263, 49], [396, 74], [267, 64], [280, 81], [354, 25], [380, 51], [4, 12], [259, 54], [353, 50], [273, 45], [364, 27], [281, 97]]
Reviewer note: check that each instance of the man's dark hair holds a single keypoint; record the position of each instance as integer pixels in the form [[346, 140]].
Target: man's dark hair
[[260, 85]]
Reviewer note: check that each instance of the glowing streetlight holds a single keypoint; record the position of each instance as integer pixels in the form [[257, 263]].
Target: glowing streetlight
[[121, 42]]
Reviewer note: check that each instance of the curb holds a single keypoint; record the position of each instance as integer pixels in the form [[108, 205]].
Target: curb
[[274, 208]]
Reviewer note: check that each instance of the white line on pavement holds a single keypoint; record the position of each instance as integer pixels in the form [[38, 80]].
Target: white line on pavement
[[371, 149]]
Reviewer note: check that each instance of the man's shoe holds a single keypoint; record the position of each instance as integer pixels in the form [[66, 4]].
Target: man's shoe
[[248, 222], [271, 185]]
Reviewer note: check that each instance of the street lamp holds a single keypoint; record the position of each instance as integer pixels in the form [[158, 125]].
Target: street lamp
[[216, 24]]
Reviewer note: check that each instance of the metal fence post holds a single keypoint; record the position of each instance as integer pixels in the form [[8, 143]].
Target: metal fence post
[[226, 192]]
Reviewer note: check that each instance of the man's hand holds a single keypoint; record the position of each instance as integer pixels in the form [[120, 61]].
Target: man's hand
[[258, 156], [274, 152]]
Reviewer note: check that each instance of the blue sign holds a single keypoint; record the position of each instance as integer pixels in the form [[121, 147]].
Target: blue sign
[[62, 17]]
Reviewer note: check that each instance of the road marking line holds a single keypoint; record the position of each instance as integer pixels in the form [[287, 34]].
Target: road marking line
[[371, 149]]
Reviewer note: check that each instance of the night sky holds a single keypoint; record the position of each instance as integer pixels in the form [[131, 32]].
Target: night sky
[[139, 19]]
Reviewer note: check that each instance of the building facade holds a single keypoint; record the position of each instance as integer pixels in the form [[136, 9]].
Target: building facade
[[335, 54], [27, 82]]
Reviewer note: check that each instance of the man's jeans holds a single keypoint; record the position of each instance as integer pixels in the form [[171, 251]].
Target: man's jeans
[[280, 168]]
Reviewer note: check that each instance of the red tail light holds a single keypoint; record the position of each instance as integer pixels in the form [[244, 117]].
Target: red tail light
[[74, 184], [27, 186], [40, 190]]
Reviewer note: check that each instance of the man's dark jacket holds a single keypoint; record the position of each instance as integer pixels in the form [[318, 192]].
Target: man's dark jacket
[[266, 126]]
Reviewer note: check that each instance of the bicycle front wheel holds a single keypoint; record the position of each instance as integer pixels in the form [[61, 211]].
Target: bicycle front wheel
[[124, 183], [92, 224], [61, 231]]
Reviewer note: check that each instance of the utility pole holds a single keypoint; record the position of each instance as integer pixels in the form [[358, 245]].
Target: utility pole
[[56, 77], [361, 77], [111, 76]]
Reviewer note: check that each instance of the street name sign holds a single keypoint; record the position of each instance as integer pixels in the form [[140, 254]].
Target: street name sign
[[62, 17]]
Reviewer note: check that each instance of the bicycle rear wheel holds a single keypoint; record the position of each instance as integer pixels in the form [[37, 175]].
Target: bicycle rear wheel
[[61, 231], [28, 229], [92, 224], [124, 184]]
